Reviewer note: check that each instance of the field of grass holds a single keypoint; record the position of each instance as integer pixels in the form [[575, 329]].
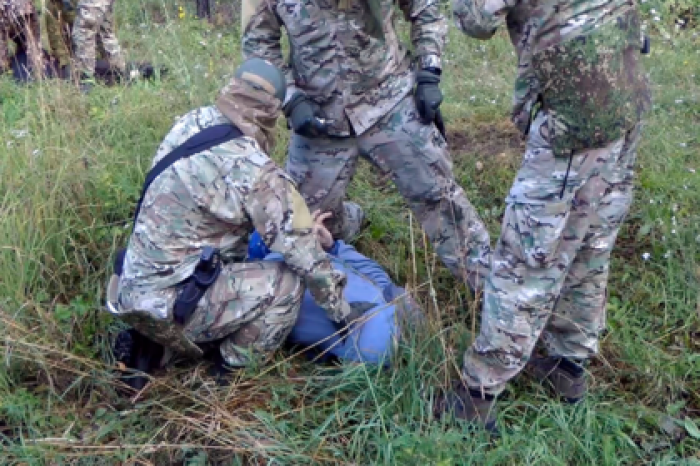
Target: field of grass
[[71, 167]]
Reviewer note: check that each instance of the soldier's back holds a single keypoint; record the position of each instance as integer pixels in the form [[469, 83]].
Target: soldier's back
[[196, 202]]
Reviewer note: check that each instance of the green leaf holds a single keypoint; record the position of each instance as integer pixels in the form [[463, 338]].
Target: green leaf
[[692, 428]]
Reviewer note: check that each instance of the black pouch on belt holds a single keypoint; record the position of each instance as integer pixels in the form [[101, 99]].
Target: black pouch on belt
[[205, 274]]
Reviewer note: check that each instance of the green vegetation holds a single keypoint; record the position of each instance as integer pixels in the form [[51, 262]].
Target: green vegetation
[[71, 168]]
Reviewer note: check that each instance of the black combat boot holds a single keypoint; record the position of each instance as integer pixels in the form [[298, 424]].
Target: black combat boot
[[468, 405], [567, 378]]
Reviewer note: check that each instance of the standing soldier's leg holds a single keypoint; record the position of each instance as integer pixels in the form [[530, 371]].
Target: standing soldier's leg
[[251, 308], [322, 168], [58, 35], [110, 43], [571, 336], [4, 52], [543, 228], [31, 32], [416, 156], [87, 22]]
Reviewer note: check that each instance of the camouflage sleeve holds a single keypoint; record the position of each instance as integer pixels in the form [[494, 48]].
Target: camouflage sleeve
[[284, 222], [262, 37], [428, 30], [481, 18]]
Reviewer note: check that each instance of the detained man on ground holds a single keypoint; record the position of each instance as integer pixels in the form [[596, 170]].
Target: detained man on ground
[[386, 308]]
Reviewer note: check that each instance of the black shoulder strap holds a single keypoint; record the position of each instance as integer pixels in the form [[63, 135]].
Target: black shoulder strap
[[203, 140]]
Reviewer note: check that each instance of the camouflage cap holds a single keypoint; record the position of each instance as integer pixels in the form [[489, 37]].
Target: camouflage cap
[[263, 75]]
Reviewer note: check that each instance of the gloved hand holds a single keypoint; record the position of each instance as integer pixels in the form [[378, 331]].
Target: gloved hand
[[428, 95], [356, 310], [303, 115], [361, 306]]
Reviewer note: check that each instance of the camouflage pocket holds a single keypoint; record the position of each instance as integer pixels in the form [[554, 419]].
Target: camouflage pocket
[[534, 232], [593, 86], [311, 40]]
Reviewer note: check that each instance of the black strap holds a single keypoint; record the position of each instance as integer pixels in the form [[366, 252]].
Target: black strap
[[203, 140]]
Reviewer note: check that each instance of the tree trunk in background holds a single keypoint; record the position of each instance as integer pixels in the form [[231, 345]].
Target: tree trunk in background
[[204, 8]]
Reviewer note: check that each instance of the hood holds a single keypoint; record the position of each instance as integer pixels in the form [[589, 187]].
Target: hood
[[254, 112]]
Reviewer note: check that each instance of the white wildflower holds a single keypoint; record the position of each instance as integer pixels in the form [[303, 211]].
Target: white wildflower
[[646, 256]]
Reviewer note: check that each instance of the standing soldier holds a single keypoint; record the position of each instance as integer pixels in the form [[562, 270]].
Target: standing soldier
[[95, 22], [350, 84], [19, 23], [183, 281], [579, 74]]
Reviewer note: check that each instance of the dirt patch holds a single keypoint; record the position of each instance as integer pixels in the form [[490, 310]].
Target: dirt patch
[[484, 140]]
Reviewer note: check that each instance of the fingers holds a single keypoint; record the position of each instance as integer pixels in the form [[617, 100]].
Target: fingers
[[323, 217]]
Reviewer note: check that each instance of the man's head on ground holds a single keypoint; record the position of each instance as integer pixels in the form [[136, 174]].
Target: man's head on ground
[[252, 100]]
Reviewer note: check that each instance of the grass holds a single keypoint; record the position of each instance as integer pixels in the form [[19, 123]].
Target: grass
[[71, 168]]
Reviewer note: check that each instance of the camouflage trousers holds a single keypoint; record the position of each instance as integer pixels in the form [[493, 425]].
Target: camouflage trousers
[[19, 23], [94, 24], [549, 276], [416, 157], [250, 309], [59, 30]]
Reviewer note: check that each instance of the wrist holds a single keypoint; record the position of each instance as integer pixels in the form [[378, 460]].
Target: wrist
[[430, 61]]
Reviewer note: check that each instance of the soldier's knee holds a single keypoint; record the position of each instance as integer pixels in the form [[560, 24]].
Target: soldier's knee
[[289, 289]]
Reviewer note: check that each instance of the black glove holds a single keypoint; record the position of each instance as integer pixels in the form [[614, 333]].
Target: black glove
[[303, 114], [428, 95], [357, 310], [360, 307]]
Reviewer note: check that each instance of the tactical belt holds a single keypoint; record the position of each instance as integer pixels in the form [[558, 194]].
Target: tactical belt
[[209, 266]]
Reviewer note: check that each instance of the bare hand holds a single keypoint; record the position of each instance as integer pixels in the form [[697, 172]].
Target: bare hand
[[324, 236]]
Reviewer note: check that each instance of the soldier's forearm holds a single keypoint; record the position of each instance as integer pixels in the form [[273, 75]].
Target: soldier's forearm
[[428, 33], [472, 18]]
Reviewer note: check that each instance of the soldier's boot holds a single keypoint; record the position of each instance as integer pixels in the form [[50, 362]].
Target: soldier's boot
[[354, 220], [220, 370], [86, 83], [567, 379], [467, 405]]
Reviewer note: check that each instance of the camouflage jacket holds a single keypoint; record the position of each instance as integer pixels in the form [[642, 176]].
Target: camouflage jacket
[[578, 58], [217, 198], [341, 58]]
